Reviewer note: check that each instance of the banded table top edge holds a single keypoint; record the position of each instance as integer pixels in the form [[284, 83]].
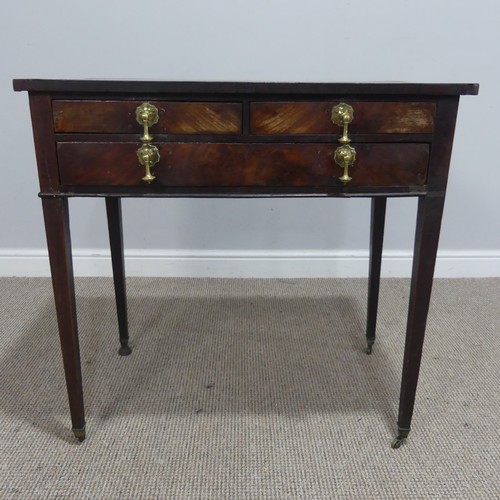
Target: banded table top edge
[[299, 88]]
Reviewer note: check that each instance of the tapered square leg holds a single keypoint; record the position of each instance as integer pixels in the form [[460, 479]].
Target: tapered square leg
[[430, 210], [115, 229], [56, 217], [377, 225]]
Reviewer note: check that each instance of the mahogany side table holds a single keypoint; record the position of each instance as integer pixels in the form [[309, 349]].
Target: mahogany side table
[[94, 138]]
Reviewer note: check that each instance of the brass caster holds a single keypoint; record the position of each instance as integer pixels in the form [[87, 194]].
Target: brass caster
[[397, 442], [79, 434], [369, 348], [402, 435], [124, 350]]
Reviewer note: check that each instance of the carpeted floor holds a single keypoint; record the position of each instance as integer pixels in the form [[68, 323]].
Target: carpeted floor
[[250, 389]]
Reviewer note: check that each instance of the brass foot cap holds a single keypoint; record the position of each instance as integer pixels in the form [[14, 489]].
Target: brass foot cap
[[402, 435], [79, 434], [397, 442]]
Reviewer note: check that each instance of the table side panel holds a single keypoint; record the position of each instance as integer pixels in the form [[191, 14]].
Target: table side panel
[[45, 142], [442, 145]]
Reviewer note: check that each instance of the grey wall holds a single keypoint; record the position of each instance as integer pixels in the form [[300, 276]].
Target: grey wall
[[257, 40]]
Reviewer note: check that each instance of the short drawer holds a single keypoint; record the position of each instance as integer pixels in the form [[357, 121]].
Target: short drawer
[[315, 118], [245, 165], [118, 117]]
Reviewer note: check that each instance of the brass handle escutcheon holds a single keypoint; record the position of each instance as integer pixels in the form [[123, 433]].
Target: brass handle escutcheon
[[342, 115], [345, 156], [147, 115], [148, 156]]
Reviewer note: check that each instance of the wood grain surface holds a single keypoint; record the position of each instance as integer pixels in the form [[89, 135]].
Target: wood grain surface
[[315, 118], [202, 164], [117, 117]]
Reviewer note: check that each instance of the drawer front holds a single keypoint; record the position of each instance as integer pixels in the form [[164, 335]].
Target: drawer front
[[315, 118], [244, 165], [118, 117]]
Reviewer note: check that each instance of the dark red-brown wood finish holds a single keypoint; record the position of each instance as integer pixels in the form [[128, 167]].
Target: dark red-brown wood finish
[[235, 165], [56, 217], [117, 117], [242, 139], [131, 87], [315, 117]]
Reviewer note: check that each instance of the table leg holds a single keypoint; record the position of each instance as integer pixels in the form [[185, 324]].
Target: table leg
[[115, 228], [56, 216], [376, 241], [430, 210]]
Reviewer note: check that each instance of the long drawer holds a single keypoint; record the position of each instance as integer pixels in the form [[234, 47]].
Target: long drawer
[[236, 164]]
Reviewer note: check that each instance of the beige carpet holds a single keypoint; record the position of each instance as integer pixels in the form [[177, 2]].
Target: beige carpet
[[250, 389]]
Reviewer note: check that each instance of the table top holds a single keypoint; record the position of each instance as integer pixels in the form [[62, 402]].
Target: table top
[[382, 88]]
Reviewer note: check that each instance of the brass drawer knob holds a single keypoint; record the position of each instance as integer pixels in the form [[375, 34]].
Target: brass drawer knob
[[344, 156], [148, 156], [147, 115], [342, 115]]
